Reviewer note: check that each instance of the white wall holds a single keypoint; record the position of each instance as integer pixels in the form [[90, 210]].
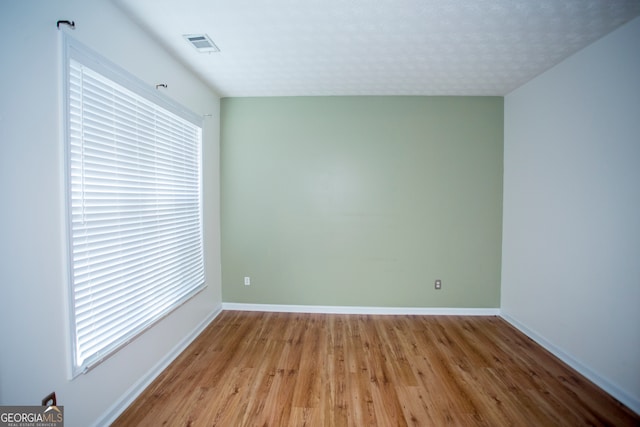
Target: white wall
[[571, 226], [34, 356]]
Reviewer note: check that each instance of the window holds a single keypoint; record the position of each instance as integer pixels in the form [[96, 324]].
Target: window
[[134, 205]]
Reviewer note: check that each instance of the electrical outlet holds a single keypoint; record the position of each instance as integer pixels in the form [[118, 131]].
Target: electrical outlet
[[247, 281], [438, 284]]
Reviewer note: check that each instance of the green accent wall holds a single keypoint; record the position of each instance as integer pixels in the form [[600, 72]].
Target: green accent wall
[[362, 201]]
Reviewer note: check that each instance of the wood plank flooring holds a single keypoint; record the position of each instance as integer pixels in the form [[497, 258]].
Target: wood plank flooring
[[289, 369]]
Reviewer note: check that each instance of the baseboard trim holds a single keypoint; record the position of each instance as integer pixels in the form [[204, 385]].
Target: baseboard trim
[[134, 391], [613, 390], [324, 309]]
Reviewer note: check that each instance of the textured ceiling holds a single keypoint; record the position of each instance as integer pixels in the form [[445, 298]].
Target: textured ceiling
[[377, 47]]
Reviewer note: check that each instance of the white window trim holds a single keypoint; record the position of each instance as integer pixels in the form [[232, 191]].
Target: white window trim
[[72, 49]]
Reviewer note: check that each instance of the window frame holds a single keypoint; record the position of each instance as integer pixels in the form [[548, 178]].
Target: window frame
[[74, 50]]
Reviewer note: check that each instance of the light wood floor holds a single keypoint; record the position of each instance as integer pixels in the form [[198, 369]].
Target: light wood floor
[[286, 369]]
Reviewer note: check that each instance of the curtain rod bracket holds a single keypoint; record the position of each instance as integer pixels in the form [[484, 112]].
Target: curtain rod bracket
[[71, 24], [161, 85]]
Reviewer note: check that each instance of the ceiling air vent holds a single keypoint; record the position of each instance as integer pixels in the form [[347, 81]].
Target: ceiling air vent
[[201, 42]]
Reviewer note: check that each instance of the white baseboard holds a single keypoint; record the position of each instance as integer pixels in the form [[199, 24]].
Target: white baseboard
[[127, 399], [425, 311], [626, 399]]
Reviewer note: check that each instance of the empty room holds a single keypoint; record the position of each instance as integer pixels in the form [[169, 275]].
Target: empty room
[[336, 213]]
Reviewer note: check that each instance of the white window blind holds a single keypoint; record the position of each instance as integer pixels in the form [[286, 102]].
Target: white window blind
[[134, 212]]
